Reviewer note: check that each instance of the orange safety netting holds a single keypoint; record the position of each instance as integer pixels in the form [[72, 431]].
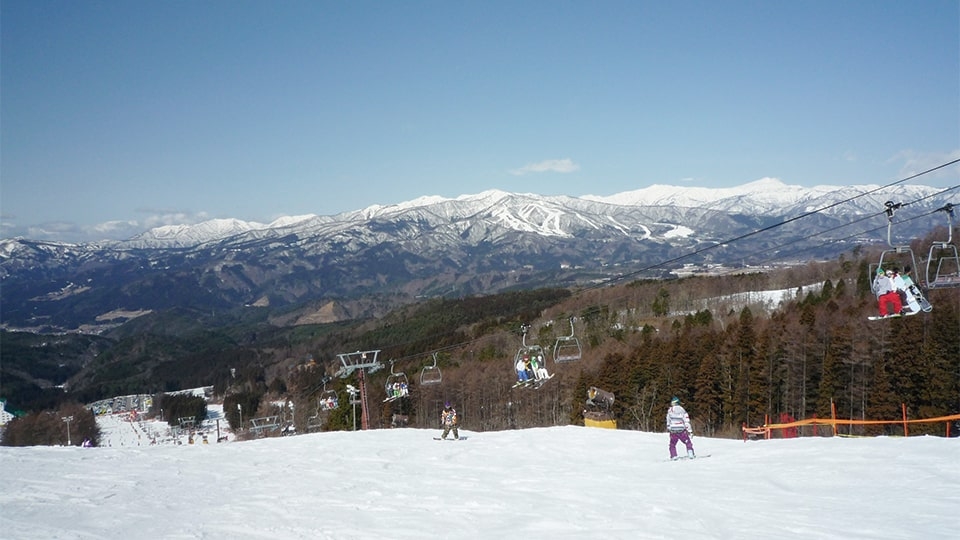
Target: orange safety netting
[[767, 427]]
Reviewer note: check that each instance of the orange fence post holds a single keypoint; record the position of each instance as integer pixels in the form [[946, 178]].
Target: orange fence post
[[833, 415], [903, 406]]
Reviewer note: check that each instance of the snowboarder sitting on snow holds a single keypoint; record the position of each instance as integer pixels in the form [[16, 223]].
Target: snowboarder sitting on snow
[[678, 424], [449, 421]]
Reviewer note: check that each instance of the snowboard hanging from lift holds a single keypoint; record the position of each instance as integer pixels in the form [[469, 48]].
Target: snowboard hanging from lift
[[881, 317]]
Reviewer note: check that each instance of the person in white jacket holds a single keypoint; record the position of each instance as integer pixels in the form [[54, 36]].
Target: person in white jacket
[[678, 424], [907, 298]]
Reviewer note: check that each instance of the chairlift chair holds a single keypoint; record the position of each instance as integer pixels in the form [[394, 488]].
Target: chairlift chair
[[532, 352], [900, 257], [943, 262], [895, 256], [328, 398], [396, 386], [567, 348], [431, 374]]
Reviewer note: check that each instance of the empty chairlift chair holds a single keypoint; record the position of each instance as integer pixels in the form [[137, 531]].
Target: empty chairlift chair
[[943, 262], [567, 348], [431, 374]]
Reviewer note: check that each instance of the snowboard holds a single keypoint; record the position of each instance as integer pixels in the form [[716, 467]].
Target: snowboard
[[925, 304], [881, 317], [686, 458]]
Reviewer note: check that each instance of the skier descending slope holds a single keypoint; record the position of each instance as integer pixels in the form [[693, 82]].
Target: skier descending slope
[[678, 424]]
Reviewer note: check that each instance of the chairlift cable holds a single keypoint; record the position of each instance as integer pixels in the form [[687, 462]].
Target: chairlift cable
[[664, 263], [765, 229]]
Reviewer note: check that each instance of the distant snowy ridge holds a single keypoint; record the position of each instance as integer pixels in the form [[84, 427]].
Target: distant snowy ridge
[[767, 196], [550, 216], [470, 244]]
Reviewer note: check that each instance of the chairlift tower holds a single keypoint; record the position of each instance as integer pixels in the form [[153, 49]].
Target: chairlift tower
[[360, 361]]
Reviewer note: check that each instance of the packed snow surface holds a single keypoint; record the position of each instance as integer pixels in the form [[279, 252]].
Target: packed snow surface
[[562, 482]]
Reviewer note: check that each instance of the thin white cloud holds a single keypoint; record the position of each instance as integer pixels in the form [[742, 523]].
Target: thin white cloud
[[161, 217], [65, 231], [550, 165], [914, 162]]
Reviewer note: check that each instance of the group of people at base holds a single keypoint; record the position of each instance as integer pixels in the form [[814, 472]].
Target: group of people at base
[[896, 293], [678, 424]]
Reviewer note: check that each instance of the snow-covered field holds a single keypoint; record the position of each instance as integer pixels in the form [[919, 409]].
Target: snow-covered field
[[563, 482]]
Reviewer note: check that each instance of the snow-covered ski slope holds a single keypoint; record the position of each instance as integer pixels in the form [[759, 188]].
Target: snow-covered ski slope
[[562, 482]]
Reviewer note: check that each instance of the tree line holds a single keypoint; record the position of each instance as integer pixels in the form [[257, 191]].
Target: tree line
[[813, 352]]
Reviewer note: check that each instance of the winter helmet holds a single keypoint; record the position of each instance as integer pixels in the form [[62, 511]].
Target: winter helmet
[[879, 271], [675, 401], [446, 405]]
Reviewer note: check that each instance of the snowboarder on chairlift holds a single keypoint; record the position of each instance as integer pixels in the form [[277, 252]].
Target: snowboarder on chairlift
[[449, 421], [887, 294], [907, 298], [678, 424]]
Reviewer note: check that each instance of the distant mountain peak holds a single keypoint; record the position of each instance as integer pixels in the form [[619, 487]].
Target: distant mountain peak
[[431, 245]]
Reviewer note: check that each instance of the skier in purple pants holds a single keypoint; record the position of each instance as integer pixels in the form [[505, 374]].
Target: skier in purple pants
[[678, 424]]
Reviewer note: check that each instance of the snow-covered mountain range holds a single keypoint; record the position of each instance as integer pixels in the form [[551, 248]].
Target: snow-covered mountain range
[[433, 245], [767, 198]]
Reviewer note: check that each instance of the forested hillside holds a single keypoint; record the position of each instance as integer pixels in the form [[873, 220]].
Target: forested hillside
[[736, 360], [730, 352]]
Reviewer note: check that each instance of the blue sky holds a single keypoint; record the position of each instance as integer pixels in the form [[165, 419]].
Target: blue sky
[[149, 113]]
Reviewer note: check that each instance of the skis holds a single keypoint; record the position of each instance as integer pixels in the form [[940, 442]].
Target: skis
[[532, 383], [449, 439], [881, 317]]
